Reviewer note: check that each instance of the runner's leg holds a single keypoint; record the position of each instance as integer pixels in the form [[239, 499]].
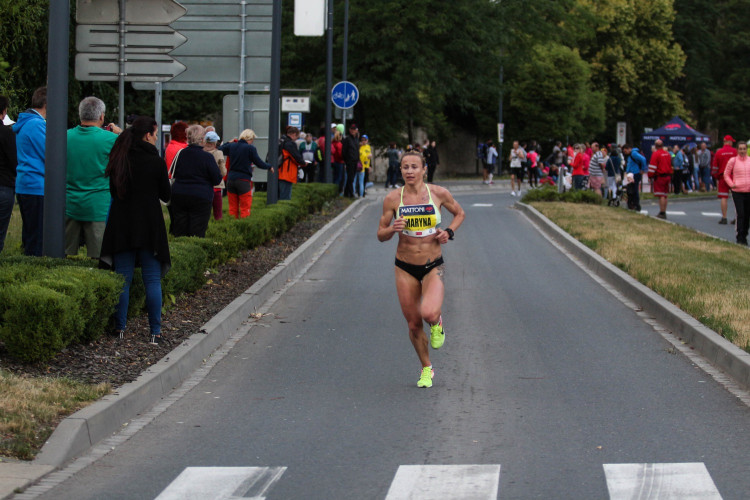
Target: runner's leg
[[409, 295]]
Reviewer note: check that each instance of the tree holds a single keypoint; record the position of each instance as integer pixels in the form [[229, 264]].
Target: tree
[[634, 59], [552, 95]]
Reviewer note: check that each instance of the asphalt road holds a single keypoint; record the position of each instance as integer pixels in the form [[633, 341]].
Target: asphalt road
[[545, 382], [703, 215]]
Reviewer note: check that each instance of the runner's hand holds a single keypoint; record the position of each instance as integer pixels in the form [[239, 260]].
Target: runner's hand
[[399, 225], [442, 236]]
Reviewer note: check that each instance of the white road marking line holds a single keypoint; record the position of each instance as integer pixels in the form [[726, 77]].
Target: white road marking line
[[675, 213], [660, 481], [711, 214], [222, 483], [482, 205], [417, 482]]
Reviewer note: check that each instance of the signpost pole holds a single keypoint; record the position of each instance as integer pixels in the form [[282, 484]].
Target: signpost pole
[[274, 115], [121, 66], [243, 54], [157, 116], [329, 86], [55, 158], [346, 55]]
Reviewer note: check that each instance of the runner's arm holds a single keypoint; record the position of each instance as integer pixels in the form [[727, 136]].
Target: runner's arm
[[385, 229], [454, 208]]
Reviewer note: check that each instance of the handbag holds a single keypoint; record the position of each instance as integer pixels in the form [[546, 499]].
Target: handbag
[[171, 175]]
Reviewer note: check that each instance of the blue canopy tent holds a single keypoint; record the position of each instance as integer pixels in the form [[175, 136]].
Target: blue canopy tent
[[675, 131]]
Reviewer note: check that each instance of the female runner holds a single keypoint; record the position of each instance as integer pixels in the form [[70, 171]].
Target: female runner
[[414, 213]]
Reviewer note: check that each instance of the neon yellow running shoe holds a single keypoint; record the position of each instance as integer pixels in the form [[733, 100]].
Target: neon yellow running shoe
[[425, 379], [437, 335]]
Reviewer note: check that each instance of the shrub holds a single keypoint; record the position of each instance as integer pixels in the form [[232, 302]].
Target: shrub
[[35, 321], [189, 265], [549, 193]]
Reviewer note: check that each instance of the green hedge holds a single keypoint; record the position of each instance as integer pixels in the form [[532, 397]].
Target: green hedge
[[549, 193], [47, 304]]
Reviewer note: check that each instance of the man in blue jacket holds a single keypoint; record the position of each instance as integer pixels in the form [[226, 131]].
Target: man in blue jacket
[[31, 134], [637, 166]]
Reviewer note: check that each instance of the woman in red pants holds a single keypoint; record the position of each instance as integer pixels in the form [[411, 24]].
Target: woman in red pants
[[242, 157]]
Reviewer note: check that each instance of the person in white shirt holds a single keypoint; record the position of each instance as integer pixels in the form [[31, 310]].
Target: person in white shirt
[[490, 164]]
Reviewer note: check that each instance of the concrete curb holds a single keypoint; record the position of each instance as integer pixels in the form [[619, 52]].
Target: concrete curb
[[85, 428], [716, 349]]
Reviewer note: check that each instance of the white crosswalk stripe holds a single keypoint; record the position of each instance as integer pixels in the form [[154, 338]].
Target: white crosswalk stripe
[[711, 214], [417, 482], [222, 483], [679, 481], [482, 205], [635, 481]]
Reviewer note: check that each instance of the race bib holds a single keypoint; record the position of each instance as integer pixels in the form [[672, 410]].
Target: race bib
[[421, 220]]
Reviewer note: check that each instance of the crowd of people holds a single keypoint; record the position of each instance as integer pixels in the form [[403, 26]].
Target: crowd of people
[[611, 170]]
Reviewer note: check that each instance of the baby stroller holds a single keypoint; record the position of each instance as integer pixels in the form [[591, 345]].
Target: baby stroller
[[615, 198], [631, 192]]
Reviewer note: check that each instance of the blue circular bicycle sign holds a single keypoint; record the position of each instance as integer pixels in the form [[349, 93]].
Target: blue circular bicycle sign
[[344, 95]]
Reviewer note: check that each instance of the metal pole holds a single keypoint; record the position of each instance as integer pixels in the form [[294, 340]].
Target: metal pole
[[121, 72], [274, 117], [243, 54], [499, 122], [329, 88], [55, 158], [157, 117], [346, 56]]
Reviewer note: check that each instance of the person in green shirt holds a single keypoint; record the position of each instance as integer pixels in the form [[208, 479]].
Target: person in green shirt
[[87, 188]]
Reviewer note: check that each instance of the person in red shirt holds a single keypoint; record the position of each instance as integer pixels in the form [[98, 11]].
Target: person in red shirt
[[718, 165], [660, 171]]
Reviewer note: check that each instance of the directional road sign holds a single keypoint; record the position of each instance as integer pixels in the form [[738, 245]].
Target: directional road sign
[[213, 51], [147, 39], [138, 38], [138, 67], [344, 95], [160, 12]]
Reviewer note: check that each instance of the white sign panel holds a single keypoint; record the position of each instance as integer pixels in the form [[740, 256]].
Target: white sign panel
[[622, 129], [309, 17], [136, 11], [301, 104]]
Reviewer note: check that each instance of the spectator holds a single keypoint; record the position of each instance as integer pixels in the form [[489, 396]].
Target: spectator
[[636, 165], [489, 164], [433, 160], [8, 164], [310, 154], [533, 161], [613, 167], [596, 168], [704, 168], [350, 152], [678, 162], [660, 169], [195, 175], [365, 158], [291, 161], [242, 158], [177, 142], [394, 158], [31, 135], [577, 166], [517, 159], [87, 188], [212, 140], [721, 158], [737, 177], [135, 230], [337, 162]]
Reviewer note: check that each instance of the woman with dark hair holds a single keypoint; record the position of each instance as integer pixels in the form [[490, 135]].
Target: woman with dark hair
[[135, 233]]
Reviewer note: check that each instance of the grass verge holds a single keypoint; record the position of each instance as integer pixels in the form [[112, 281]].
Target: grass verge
[[31, 408], [703, 276]]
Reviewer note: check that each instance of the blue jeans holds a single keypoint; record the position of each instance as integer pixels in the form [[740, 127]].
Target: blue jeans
[[359, 183], [32, 215], [338, 171], [151, 273], [285, 190], [7, 198]]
